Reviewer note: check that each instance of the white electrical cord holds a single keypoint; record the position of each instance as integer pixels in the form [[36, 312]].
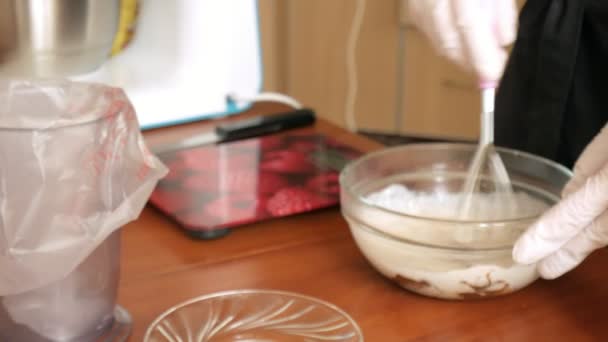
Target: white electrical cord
[[266, 97], [351, 66]]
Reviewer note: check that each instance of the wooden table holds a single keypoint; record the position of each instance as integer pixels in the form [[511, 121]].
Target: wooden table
[[314, 254]]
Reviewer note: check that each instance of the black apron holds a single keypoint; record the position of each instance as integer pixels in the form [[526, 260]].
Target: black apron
[[552, 99]]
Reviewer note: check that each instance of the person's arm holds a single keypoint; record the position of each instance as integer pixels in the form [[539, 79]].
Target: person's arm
[[473, 36]]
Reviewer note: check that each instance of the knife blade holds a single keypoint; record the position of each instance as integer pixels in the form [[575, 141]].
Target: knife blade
[[243, 129]]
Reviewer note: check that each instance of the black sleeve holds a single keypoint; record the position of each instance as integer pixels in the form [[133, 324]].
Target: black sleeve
[[551, 100]]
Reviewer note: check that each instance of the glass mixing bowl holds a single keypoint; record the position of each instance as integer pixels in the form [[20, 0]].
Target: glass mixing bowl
[[439, 257]]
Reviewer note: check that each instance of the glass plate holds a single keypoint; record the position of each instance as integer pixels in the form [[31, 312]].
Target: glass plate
[[253, 316]]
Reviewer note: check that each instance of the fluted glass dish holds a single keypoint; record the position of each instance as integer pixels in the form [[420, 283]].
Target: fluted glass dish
[[253, 316]]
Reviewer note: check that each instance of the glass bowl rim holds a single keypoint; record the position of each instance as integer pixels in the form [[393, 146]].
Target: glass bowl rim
[[439, 146]]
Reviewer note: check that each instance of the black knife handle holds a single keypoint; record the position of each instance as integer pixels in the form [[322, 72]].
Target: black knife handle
[[265, 124]]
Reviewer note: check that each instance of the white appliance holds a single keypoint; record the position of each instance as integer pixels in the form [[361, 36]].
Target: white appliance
[[185, 58]]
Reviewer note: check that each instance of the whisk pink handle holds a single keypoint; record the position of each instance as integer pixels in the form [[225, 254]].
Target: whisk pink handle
[[487, 84]]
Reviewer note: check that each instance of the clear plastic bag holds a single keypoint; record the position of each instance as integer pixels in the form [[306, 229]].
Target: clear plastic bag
[[73, 169]]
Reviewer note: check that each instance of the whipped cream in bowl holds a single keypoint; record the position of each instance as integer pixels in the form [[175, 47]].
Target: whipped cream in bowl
[[402, 206]]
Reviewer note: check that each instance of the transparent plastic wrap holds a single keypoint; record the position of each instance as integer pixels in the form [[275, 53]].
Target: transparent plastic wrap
[[73, 169]]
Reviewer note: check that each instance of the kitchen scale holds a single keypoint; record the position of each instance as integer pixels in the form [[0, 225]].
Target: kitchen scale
[[185, 58]]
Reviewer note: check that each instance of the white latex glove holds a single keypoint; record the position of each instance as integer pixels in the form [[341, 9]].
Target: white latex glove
[[472, 33], [578, 224]]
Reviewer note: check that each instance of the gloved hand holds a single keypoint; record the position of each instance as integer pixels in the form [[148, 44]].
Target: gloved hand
[[578, 224], [472, 33]]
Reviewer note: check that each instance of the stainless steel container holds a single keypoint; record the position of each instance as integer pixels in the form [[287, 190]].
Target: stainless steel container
[[51, 38]]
